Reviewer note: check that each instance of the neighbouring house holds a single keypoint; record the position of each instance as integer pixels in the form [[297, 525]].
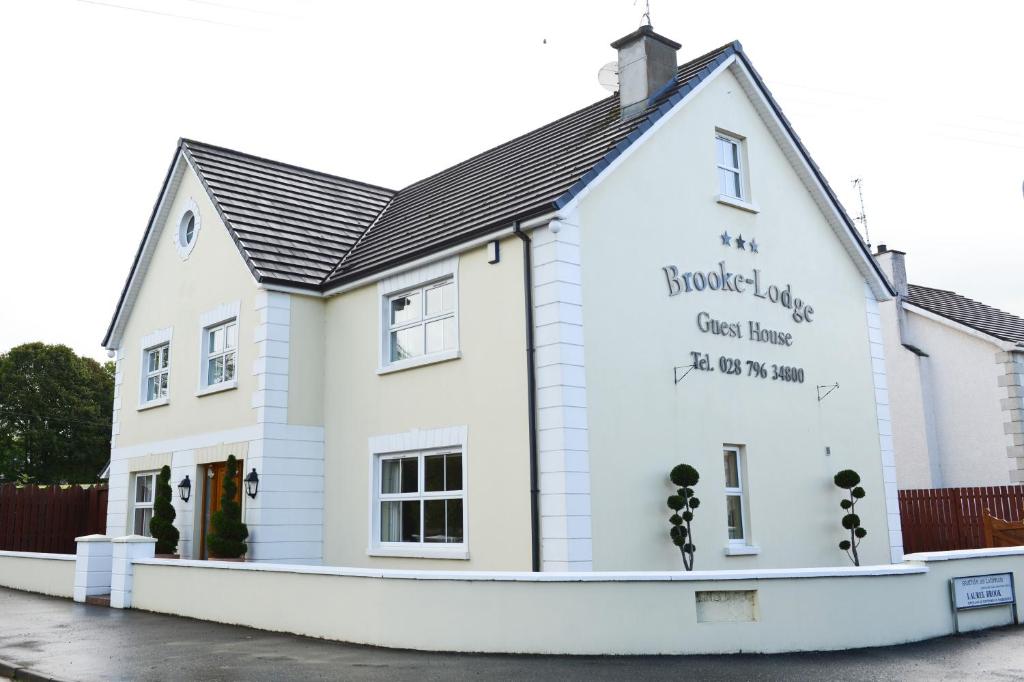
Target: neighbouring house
[[496, 367], [956, 371]]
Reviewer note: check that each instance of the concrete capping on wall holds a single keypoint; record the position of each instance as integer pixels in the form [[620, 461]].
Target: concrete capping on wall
[[561, 400], [38, 555], [884, 420], [554, 577], [965, 554]]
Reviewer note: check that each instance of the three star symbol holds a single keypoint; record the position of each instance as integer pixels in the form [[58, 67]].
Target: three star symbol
[[741, 243]]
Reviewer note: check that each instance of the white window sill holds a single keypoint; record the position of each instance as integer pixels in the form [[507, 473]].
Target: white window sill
[[160, 402], [742, 550], [738, 203], [420, 361], [217, 388], [419, 552]]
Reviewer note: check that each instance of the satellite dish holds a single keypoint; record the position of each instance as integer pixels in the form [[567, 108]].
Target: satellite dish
[[608, 76]]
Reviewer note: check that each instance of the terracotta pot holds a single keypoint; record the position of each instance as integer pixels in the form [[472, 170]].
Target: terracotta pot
[[166, 556]]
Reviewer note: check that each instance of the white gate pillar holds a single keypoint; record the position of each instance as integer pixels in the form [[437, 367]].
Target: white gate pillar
[[92, 566], [127, 549]]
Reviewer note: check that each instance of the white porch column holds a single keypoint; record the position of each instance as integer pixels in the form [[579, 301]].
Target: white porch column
[[92, 566], [127, 549]]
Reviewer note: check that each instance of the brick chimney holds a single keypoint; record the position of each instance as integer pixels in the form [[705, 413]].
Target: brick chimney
[[647, 62]]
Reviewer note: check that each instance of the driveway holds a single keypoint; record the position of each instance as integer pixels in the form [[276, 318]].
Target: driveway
[[62, 639]]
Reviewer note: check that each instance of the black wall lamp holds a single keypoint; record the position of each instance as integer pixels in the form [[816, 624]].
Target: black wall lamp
[[185, 489], [252, 483]]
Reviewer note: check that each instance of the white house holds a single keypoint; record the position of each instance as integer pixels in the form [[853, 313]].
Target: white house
[[955, 369], [496, 367]]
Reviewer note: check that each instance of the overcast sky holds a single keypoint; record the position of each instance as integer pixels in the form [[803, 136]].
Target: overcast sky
[[922, 100]]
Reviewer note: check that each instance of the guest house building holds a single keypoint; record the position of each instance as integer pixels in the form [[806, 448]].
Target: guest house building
[[496, 367]]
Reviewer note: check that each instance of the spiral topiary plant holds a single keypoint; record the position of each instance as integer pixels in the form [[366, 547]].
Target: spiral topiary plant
[[161, 526], [682, 505], [226, 539], [848, 479]]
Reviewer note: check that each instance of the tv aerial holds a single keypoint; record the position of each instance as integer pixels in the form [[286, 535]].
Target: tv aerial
[[608, 76]]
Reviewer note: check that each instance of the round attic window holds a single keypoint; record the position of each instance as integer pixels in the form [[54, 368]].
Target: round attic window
[[188, 229]]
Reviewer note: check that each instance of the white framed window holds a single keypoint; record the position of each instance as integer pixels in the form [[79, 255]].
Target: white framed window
[[735, 498], [220, 355], [158, 370], [729, 157], [143, 491], [421, 499], [186, 230], [421, 324]]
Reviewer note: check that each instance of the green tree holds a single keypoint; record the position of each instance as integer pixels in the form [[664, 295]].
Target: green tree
[[226, 539], [682, 505], [848, 480], [55, 413], [161, 526]]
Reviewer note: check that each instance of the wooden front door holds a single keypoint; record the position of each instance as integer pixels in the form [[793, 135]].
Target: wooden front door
[[212, 491]]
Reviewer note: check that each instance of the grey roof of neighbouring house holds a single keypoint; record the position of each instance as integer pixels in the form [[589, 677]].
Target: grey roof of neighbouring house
[[968, 312], [316, 231]]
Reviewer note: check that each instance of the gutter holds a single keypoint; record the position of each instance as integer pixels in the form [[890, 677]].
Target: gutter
[[531, 389]]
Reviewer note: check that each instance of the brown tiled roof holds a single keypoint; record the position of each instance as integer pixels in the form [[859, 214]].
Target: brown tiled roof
[[968, 312]]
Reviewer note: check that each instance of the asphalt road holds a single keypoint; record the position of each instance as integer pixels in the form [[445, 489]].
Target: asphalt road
[[60, 638]]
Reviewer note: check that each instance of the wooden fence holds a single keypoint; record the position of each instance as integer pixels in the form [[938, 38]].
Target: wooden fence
[[941, 519], [49, 518]]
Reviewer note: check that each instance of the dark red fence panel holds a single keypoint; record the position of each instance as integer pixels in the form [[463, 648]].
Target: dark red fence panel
[[49, 518], [941, 519]]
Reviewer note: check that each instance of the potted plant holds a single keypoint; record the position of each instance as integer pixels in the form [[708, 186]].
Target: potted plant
[[161, 526], [226, 539]]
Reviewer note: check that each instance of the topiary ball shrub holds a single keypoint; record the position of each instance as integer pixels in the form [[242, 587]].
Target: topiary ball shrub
[[684, 476], [848, 480], [682, 505]]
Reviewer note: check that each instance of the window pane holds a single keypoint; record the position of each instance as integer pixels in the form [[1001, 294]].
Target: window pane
[[734, 514], [142, 517], [435, 336], [406, 343], [190, 229], [448, 297], [433, 473], [229, 367], [151, 388], [433, 521], [215, 372], [405, 308], [410, 475], [164, 356], [143, 489], [232, 336], [732, 473], [217, 340], [390, 470], [737, 191], [449, 333], [391, 521], [154, 360], [724, 182], [162, 390], [454, 528], [433, 302], [410, 521], [720, 151], [453, 472], [734, 154]]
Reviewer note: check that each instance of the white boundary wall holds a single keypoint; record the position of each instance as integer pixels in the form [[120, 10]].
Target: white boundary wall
[[52, 574], [702, 612]]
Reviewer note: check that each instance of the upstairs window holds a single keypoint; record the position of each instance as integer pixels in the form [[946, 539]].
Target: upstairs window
[[157, 366], [421, 322], [729, 157], [221, 351]]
